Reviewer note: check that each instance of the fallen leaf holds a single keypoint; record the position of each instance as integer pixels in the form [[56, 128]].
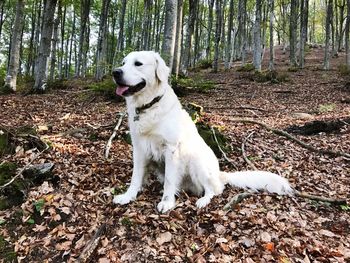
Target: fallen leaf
[[164, 238]]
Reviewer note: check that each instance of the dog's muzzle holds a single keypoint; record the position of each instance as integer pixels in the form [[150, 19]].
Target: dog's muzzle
[[124, 89]]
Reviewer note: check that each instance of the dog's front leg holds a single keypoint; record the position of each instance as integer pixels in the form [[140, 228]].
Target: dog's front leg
[[139, 162], [172, 180]]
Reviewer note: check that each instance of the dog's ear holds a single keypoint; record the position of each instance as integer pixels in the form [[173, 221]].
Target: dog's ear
[[162, 71]]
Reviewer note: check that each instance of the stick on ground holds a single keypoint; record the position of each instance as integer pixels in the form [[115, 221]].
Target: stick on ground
[[294, 139], [109, 143], [249, 162]]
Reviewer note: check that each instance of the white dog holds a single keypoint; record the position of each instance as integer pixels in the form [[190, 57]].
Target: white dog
[[164, 137]]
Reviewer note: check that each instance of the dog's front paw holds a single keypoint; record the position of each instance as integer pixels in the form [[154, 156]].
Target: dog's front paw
[[202, 202], [123, 199], [165, 206]]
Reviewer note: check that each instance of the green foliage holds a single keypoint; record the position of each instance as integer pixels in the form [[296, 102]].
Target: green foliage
[[198, 83], [344, 70], [246, 68], [126, 221], [203, 64], [345, 208], [105, 87], [293, 69], [39, 204], [272, 76]]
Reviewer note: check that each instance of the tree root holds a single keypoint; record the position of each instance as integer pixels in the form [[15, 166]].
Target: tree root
[[92, 244], [249, 162], [116, 128], [236, 199], [294, 139], [321, 198]]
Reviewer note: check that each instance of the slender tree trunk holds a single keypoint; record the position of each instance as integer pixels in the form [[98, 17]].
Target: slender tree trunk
[[190, 29], [45, 45], [2, 4], [63, 34], [347, 31], [102, 42], [210, 27], [72, 39], [38, 26], [178, 39], [29, 62], [303, 34], [11, 78], [229, 36], [328, 29], [121, 26], [257, 36], [168, 46], [341, 21], [218, 26], [54, 42], [293, 33], [272, 53]]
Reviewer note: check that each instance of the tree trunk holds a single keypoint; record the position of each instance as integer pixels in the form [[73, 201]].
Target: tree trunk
[[347, 31], [210, 27], [54, 42], [121, 27], [272, 53], [303, 34], [45, 45], [190, 28], [69, 67], [218, 7], [293, 33], [169, 32], [11, 78], [102, 42], [257, 37], [328, 32], [229, 36], [63, 33], [178, 39], [341, 21]]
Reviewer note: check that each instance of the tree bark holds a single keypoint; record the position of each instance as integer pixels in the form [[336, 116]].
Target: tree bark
[[210, 27], [293, 33], [169, 32], [328, 29], [229, 36], [121, 26], [347, 31], [102, 42], [11, 78], [54, 42], [218, 7], [178, 39], [272, 16], [257, 36], [303, 31]]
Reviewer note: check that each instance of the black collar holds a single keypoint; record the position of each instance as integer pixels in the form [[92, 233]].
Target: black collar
[[139, 110]]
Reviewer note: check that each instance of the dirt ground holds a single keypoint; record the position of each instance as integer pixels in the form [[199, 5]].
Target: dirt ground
[[261, 228]]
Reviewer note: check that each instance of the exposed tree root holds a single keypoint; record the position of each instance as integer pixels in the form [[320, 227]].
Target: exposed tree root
[[116, 128], [249, 162], [321, 198], [236, 199], [92, 244], [294, 139]]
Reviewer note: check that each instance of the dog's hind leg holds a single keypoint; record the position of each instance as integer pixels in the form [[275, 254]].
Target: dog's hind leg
[[136, 179], [172, 181]]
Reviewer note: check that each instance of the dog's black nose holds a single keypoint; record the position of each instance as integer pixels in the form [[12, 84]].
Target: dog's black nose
[[117, 73]]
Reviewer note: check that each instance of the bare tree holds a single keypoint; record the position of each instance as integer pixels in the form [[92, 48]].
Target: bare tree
[[347, 31], [45, 45], [11, 78], [54, 42], [190, 29], [272, 53], [293, 32], [178, 39], [303, 31], [328, 29], [257, 36], [218, 27], [169, 32], [229, 36]]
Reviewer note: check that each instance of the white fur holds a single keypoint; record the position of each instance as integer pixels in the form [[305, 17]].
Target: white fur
[[166, 133]]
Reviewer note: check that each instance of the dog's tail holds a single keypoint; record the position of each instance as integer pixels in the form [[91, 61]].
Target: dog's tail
[[258, 180]]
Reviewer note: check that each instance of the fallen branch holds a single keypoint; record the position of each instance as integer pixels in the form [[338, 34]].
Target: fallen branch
[[92, 244], [236, 199], [250, 163], [109, 143], [321, 198], [221, 150], [19, 173], [294, 139]]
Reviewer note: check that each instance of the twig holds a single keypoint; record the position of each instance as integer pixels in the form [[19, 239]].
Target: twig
[[221, 150], [92, 244], [250, 163], [19, 173], [109, 143], [294, 139], [236, 199], [321, 198]]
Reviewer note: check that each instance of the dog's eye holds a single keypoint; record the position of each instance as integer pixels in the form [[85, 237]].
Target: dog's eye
[[138, 63], [123, 63]]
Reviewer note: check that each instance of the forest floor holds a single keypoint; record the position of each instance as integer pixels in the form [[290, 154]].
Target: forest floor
[[57, 220]]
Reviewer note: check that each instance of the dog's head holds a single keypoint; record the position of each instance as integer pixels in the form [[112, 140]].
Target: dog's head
[[140, 70]]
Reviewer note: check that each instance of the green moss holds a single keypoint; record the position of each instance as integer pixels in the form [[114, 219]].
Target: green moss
[[204, 64], [105, 88], [198, 83], [293, 69], [7, 254], [126, 221], [5, 90], [246, 68], [344, 70], [269, 76]]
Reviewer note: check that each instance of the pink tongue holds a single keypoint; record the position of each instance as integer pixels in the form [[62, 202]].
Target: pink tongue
[[121, 90]]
